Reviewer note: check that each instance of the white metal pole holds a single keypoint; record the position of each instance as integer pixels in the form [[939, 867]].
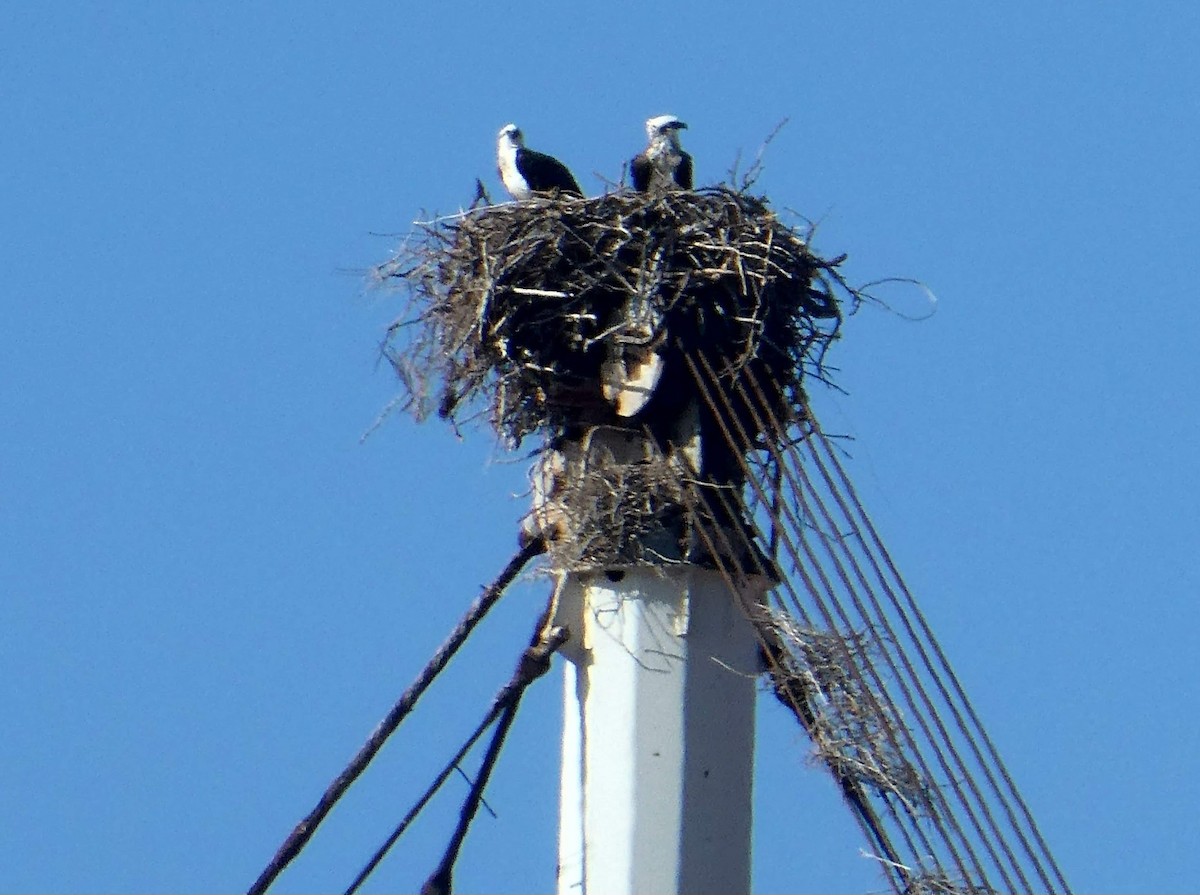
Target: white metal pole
[[658, 737]]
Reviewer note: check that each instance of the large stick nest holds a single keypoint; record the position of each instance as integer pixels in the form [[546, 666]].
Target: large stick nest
[[515, 307]]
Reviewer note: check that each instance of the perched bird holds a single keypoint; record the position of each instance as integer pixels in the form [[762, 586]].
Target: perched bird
[[663, 165], [526, 172]]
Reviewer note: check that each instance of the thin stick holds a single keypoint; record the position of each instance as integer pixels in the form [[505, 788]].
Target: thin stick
[[542, 293]]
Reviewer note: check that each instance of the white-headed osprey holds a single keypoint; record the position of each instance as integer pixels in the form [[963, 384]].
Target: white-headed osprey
[[526, 172], [663, 165]]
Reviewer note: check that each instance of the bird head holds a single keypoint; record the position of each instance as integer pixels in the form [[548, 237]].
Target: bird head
[[511, 135], [664, 127]]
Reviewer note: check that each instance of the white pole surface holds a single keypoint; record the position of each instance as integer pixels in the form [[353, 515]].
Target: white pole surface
[[658, 734]]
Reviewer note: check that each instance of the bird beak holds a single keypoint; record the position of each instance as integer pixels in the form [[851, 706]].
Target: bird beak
[[679, 125]]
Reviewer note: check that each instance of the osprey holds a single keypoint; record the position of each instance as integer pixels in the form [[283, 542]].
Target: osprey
[[526, 172], [663, 165]]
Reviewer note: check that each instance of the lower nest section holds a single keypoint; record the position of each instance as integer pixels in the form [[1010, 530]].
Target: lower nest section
[[615, 497]]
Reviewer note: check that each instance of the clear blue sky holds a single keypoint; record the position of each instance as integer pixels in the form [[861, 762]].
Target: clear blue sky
[[211, 591]]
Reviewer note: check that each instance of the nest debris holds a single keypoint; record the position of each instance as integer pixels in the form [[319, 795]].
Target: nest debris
[[516, 307], [936, 883], [852, 735], [613, 497]]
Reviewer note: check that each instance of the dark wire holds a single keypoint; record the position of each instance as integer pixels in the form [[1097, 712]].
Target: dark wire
[[440, 881], [851, 575], [726, 416], [304, 830], [953, 681], [840, 559], [786, 688], [534, 662], [417, 808]]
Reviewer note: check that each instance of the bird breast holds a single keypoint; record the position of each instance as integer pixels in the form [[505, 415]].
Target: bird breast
[[663, 156], [506, 162]]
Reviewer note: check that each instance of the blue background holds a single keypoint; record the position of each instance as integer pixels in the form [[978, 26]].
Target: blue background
[[211, 589]]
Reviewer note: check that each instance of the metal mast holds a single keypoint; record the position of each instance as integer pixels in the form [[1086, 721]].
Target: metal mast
[[658, 733]]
